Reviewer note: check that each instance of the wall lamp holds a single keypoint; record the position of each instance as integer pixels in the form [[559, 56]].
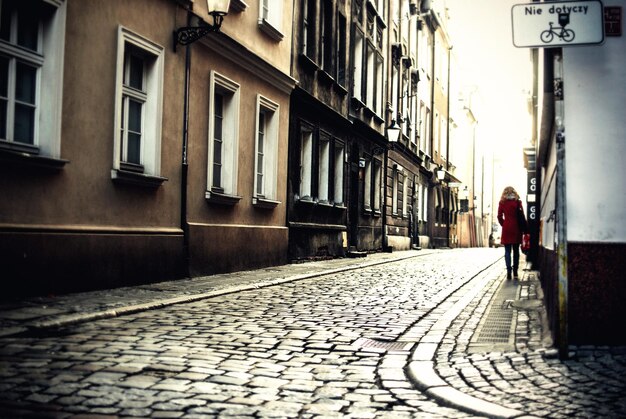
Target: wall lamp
[[189, 34], [441, 173], [393, 132]]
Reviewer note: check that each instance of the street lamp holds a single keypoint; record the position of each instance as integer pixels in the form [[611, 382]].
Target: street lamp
[[217, 9], [441, 173], [393, 132]]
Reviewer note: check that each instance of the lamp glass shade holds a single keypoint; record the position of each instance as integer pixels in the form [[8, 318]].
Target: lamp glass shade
[[219, 7], [441, 174], [393, 132]]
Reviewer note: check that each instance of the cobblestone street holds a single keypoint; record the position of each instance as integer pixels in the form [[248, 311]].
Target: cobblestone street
[[400, 337]]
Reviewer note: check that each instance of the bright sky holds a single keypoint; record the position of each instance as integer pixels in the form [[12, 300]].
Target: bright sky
[[481, 35]]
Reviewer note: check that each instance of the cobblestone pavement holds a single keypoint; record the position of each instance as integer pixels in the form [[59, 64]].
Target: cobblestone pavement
[[395, 340]]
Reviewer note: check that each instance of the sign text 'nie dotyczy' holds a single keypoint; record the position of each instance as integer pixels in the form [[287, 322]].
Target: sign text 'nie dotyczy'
[[558, 24]]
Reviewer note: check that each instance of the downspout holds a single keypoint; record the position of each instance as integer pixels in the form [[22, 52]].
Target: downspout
[[184, 224], [561, 208]]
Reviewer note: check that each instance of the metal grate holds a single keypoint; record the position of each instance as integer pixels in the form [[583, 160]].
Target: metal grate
[[386, 345], [498, 326]]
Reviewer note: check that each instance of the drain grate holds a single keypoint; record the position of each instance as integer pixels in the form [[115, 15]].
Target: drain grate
[[497, 326], [386, 345]]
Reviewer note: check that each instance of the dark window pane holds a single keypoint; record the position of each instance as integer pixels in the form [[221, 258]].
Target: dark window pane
[[4, 76], [134, 148], [5, 21], [25, 85], [136, 72], [134, 116], [217, 175], [217, 151], [28, 28], [24, 124], [3, 119]]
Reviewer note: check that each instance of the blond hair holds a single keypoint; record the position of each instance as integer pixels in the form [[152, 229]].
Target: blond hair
[[507, 191]]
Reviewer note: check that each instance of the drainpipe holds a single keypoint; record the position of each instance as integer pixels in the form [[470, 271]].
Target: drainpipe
[[561, 209], [448, 147], [184, 224]]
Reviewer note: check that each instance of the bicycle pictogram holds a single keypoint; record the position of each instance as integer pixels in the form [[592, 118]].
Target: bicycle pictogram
[[561, 32]]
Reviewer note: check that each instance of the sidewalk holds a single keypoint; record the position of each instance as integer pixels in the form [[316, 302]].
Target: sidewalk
[[39, 313]]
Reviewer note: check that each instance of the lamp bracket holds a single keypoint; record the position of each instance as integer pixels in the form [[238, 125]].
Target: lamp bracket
[[190, 34]]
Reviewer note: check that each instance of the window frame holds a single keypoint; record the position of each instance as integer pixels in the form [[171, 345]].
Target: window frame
[[153, 111], [45, 149], [230, 90], [270, 19], [266, 196]]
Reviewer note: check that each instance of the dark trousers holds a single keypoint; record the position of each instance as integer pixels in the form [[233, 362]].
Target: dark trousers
[[507, 256]]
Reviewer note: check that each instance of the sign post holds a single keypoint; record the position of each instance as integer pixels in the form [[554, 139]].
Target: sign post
[[557, 24]]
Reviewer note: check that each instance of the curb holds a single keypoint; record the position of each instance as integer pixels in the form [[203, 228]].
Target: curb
[[422, 373]]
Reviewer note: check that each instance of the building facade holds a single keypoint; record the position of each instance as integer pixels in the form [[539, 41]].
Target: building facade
[[168, 166], [582, 236], [264, 142]]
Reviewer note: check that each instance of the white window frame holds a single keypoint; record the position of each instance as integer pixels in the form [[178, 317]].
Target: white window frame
[[395, 191], [377, 175], [339, 158], [230, 91], [270, 18], [306, 164], [367, 185], [266, 190], [153, 107], [357, 75], [323, 188], [405, 197], [48, 59]]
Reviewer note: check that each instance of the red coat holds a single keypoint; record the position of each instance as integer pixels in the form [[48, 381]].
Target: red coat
[[507, 217]]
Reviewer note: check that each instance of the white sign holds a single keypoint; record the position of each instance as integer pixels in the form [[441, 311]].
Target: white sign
[[558, 24]]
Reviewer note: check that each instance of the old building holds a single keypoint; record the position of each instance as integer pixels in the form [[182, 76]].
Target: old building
[[130, 160], [337, 128]]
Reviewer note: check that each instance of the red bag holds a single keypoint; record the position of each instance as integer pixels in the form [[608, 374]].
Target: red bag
[[525, 243]]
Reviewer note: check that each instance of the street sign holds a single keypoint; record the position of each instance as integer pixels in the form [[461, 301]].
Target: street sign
[[557, 24]]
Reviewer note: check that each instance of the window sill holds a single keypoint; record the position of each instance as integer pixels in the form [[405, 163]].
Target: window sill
[[20, 158], [325, 77], [340, 89], [271, 31], [357, 104], [307, 63], [218, 198], [264, 203], [136, 179]]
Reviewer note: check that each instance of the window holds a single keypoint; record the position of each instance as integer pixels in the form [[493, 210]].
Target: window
[[377, 182], [357, 58], [340, 56], [367, 57], [424, 203], [270, 18], [138, 113], [394, 201], [338, 173], [306, 164], [367, 185], [223, 137], [326, 30], [32, 37], [324, 169], [308, 28], [266, 153], [405, 197]]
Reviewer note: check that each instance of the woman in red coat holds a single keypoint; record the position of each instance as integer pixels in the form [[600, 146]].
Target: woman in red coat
[[511, 232]]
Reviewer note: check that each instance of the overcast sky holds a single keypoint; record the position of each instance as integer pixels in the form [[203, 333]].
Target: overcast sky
[[481, 35]]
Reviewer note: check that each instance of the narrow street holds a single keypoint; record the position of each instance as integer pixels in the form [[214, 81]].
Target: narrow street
[[416, 334]]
